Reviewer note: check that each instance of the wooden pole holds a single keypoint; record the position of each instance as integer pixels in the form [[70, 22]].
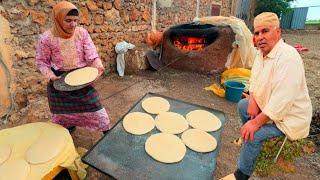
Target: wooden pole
[[197, 11], [154, 16]]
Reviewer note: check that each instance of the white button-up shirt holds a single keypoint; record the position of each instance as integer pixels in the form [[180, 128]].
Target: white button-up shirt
[[279, 87]]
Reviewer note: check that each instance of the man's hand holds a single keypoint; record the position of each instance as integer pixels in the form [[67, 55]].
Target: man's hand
[[248, 130], [253, 108]]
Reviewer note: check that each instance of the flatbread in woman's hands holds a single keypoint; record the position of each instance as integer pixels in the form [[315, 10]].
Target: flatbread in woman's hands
[[81, 76]]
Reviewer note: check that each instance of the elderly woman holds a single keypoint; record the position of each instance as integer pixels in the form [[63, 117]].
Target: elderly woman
[[63, 48]]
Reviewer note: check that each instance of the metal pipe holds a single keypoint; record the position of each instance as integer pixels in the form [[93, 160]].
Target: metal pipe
[[197, 11], [284, 141]]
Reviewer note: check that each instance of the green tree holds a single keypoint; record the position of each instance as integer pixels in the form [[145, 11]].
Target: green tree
[[277, 6]]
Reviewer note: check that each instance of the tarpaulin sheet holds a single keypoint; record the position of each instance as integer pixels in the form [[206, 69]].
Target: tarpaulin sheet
[[122, 155]]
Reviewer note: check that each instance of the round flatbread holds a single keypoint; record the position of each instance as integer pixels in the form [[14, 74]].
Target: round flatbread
[[166, 148], [198, 140], [155, 105], [203, 120], [14, 169], [47, 147], [138, 123], [81, 76], [5, 151], [172, 123]]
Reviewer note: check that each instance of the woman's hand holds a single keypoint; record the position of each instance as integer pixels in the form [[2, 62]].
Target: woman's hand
[[253, 108], [54, 78], [98, 64], [100, 71]]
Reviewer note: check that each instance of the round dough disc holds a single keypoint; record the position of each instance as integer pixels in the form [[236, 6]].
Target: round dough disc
[[166, 148], [138, 123], [45, 148], [5, 151], [14, 169], [81, 76], [203, 120], [172, 123], [199, 140], [155, 105]]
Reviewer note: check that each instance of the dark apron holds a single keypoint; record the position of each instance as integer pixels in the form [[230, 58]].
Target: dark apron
[[68, 102]]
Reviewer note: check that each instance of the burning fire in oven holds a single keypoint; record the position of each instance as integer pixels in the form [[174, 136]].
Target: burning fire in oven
[[187, 43]]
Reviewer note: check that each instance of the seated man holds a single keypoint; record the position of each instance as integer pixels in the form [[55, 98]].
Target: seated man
[[279, 102]]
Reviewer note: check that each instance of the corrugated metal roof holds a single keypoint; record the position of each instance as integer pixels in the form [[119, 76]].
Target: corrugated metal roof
[[299, 18], [242, 11], [295, 19], [286, 20]]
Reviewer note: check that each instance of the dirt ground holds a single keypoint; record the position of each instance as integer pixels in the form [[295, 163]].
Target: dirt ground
[[118, 95]]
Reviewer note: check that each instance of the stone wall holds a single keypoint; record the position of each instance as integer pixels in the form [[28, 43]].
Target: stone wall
[[6, 71], [108, 22]]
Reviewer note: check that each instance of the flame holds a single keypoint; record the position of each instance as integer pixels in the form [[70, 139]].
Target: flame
[[186, 43]]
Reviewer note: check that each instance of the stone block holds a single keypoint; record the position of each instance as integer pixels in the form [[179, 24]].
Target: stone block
[[99, 4], [134, 16], [21, 54], [139, 28], [112, 16], [136, 59], [165, 3], [92, 5], [146, 14], [38, 17], [18, 12], [51, 3], [84, 16], [125, 16], [6, 70], [117, 4], [107, 5], [98, 19], [33, 2]]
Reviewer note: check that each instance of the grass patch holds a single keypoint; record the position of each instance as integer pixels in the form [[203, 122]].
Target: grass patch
[[312, 22], [291, 150]]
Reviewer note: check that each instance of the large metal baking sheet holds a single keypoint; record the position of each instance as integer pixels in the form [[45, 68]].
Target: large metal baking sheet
[[122, 155]]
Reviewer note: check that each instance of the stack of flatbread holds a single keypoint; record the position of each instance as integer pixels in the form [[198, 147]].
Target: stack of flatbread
[[19, 164]]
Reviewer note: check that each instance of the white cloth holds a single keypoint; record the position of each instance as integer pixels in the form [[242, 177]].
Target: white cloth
[[279, 87], [242, 45], [120, 49]]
